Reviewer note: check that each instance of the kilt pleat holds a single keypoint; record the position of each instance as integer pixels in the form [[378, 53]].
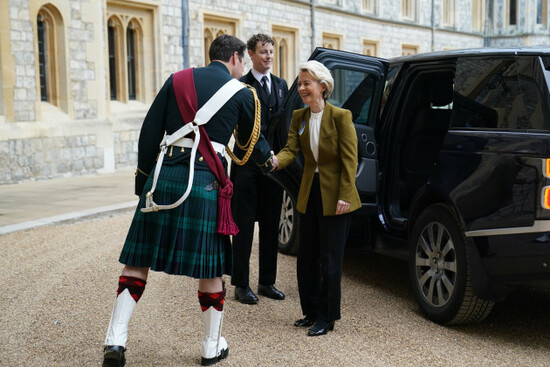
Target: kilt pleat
[[183, 240]]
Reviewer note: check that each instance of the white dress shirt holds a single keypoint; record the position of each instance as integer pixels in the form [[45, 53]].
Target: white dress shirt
[[314, 129], [258, 76]]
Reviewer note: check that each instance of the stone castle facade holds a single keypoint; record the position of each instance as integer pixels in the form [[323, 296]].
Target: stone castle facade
[[77, 76]]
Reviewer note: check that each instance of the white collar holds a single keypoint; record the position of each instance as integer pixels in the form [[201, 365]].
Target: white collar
[[258, 76]]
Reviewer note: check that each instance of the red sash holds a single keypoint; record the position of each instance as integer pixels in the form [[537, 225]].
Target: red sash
[[186, 96]]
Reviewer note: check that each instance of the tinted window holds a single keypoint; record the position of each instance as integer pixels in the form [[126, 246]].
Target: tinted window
[[508, 94], [535, 96], [353, 90]]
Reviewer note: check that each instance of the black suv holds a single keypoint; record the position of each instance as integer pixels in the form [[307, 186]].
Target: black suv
[[453, 170]]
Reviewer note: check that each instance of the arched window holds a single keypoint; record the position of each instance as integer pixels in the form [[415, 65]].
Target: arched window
[[448, 13], [542, 11], [52, 83], [478, 15], [333, 41], [2, 112], [112, 36], [215, 26], [45, 26], [131, 61], [125, 59], [284, 58], [368, 6], [408, 9], [208, 39], [370, 48], [512, 12]]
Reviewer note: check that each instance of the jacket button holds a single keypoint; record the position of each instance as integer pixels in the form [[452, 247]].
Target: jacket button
[[201, 159]]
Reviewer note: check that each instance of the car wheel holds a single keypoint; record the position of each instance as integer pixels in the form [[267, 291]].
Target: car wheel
[[288, 226], [439, 270]]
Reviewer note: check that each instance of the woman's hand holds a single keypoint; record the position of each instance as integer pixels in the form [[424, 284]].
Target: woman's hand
[[342, 207]]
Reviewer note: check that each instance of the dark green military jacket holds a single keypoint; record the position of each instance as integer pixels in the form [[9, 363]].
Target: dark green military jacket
[[164, 116]]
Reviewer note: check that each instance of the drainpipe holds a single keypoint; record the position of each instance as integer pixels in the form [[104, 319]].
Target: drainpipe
[[313, 27], [488, 23], [185, 32], [433, 25]]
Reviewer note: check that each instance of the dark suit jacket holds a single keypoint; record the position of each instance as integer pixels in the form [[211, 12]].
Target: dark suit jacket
[[337, 157], [279, 90]]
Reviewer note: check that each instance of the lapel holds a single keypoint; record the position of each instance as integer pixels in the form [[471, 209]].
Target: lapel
[[327, 128], [306, 147], [275, 89]]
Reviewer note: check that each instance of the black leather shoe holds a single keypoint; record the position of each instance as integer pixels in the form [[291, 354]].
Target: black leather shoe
[[245, 295], [270, 291], [320, 328], [113, 356], [305, 322]]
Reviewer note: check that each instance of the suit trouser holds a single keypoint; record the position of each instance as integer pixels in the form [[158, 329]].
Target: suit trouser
[[255, 197], [320, 258]]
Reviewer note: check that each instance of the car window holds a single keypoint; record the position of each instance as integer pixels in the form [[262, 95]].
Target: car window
[[506, 93], [535, 96], [353, 90]]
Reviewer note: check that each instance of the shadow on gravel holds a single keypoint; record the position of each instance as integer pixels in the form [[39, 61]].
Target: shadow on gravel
[[522, 318], [385, 273]]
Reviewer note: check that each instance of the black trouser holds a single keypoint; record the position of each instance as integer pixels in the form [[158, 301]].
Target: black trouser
[[320, 258], [255, 197]]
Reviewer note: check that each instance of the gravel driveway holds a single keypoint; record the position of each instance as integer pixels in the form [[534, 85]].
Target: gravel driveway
[[58, 285]]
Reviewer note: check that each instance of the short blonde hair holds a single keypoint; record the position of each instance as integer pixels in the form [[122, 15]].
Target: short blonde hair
[[321, 74]]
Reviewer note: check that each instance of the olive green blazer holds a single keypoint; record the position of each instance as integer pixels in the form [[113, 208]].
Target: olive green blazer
[[337, 157]]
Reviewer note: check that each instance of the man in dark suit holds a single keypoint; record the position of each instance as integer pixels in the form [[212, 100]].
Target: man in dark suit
[[256, 196]]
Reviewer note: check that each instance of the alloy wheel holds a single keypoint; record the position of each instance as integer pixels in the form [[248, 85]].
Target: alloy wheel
[[435, 264]]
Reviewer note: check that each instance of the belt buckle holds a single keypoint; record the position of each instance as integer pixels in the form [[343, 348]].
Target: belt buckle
[[214, 185]]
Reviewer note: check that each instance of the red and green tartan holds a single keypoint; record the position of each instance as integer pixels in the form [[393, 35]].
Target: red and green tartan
[[183, 240]]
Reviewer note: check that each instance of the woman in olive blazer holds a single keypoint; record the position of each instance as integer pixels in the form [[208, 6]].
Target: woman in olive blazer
[[326, 136]]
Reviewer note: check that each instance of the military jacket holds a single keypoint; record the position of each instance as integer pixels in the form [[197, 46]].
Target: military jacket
[[164, 117]]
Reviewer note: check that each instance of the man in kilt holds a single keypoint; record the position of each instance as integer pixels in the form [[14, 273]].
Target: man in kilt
[[187, 239]]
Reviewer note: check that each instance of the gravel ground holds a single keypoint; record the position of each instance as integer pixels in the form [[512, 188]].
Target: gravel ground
[[58, 285]]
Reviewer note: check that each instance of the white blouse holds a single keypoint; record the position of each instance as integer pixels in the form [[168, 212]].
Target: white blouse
[[314, 128]]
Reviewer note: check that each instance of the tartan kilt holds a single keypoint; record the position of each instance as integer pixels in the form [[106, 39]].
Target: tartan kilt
[[183, 240]]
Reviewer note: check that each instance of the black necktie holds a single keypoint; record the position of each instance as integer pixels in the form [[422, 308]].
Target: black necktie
[[266, 89]]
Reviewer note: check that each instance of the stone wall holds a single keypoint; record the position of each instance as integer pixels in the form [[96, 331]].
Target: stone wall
[[45, 157], [126, 147], [22, 47]]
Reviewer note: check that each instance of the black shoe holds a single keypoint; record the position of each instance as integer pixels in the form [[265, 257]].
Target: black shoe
[[305, 322], [245, 295], [320, 328], [211, 361], [113, 356], [270, 291]]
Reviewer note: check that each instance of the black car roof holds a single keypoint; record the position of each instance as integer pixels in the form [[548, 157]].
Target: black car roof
[[485, 51], [321, 52]]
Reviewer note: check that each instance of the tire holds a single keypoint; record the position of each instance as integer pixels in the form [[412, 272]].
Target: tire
[[439, 270], [289, 224]]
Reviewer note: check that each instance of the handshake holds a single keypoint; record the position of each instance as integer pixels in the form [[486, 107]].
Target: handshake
[[274, 162]]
